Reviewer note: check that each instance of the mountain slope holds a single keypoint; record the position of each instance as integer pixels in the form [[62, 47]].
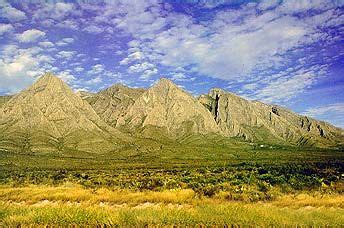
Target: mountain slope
[[257, 121], [113, 103], [168, 108], [4, 99], [49, 116]]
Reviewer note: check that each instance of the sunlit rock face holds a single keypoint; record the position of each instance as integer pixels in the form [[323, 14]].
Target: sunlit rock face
[[167, 106], [254, 120], [49, 115]]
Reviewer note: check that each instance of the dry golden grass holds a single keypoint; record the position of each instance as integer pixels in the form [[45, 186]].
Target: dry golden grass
[[73, 204], [75, 193]]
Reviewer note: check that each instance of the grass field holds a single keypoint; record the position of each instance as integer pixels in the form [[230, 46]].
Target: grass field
[[243, 186], [70, 204]]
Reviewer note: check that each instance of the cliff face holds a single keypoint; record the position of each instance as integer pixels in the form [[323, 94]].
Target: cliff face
[[49, 115], [168, 107], [256, 121]]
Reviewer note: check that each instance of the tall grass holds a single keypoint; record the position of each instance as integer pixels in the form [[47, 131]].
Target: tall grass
[[75, 193], [209, 213], [72, 204]]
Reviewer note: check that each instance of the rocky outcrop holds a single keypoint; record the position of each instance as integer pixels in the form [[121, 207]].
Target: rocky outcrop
[[168, 107], [256, 121]]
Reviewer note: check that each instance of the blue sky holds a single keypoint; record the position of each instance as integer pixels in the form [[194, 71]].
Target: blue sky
[[289, 53]]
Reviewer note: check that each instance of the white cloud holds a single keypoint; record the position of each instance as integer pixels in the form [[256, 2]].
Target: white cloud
[[5, 28], [233, 51], [66, 76], [96, 69], [96, 80], [56, 11], [79, 69], [268, 4], [140, 67], [136, 55], [333, 113], [69, 24], [68, 40], [295, 6], [178, 76], [46, 44], [235, 44], [19, 67], [11, 13], [337, 107], [285, 88], [66, 54], [30, 35], [149, 73], [65, 41]]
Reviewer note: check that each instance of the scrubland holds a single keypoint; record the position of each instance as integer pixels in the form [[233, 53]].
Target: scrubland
[[251, 189]]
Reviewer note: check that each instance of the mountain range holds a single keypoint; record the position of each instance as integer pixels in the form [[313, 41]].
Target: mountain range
[[49, 117]]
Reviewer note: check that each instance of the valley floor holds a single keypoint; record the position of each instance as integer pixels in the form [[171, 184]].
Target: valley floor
[[72, 204]]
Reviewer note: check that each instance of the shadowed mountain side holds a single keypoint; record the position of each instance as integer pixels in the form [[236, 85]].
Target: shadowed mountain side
[[256, 121], [48, 116], [113, 103]]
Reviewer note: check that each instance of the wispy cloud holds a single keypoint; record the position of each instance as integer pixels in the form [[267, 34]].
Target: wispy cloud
[[332, 113]]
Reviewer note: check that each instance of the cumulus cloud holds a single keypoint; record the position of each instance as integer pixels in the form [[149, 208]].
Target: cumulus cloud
[[20, 67], [65, 41], [79, 69], [11, 13], [46, 44], [30, 35], [96, 69], [140, 67], [66, 54], [55, 11], [178, 76], [5, 28], [66, 76], [149, 73]]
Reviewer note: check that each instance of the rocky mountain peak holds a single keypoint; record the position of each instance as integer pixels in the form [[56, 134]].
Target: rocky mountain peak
[[117, 86], [51, 108], [167, 106], [49, 83], [165, 83]]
